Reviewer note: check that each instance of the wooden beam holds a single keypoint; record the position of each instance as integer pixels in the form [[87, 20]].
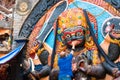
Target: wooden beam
[[3, 9]]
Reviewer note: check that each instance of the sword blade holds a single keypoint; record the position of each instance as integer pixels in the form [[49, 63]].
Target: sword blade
[[48, 26]]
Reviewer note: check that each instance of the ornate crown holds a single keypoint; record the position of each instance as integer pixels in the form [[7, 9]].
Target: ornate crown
[[71, 18]]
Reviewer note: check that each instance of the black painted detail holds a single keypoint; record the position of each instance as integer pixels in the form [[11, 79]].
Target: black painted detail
[[113, 51]]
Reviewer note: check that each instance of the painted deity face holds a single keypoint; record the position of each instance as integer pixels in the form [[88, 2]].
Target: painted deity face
[[76, 33], [72, 24], [112, 26]]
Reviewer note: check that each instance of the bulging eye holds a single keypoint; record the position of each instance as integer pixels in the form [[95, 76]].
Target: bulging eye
[[68, 36], [108, 23], [78, 34]]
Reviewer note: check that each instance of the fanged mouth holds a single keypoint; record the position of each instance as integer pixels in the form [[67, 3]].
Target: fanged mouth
[[115, 34], [116, 31]]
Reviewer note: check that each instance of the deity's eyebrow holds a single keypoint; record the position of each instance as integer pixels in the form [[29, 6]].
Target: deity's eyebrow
[[67, 30]]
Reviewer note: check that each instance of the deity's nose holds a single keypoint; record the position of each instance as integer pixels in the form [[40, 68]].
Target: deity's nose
[[72, 34]]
